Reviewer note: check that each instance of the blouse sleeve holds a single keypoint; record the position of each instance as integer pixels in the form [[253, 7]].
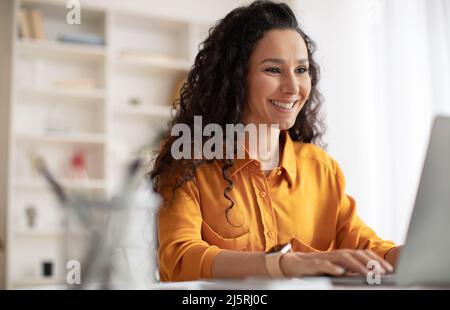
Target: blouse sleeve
[[182, 254]]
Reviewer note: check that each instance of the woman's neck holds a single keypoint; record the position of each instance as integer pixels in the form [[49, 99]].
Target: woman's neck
[[266, 148]]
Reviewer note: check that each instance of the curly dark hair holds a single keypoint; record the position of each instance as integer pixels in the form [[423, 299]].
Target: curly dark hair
[[216, 88]]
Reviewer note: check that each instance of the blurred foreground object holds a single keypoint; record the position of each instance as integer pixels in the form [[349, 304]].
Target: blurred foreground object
[[107, 222]]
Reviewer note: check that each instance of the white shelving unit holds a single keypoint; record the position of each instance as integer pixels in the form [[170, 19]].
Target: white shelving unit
[[51, 48], [134, 78], [81, 95]]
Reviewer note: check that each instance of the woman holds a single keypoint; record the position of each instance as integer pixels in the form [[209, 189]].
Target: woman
[[229, 217]]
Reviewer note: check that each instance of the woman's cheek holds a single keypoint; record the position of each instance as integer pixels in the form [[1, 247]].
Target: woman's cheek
[[305, 88], [268, 82]]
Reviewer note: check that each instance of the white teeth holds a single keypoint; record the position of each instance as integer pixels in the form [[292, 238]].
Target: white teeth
[[283, 105]]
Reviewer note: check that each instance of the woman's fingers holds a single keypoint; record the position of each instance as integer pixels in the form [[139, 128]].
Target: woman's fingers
[[347, 260], [364, 258], [384, 263], [317, 266], [341, 258], [329, 268], [336, 263]]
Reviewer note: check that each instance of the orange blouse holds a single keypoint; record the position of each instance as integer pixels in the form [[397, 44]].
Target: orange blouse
[[303, 200]]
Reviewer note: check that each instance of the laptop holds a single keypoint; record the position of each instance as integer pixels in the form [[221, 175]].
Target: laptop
[[425, 256]]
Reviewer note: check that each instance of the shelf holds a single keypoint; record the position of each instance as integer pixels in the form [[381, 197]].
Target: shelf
[[50, 48], [155, 64], [145, 57], [41, 233], [155, 111], [40, 184], [47, 92], [39, 282], [82, 138]]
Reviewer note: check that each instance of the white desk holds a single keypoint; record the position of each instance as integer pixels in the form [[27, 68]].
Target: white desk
[[314, 283], [249, 284]]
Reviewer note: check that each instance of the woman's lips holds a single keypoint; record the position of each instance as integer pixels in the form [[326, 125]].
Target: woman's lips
[[282, 107]]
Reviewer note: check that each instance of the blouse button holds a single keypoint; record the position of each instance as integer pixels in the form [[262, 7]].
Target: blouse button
[[263, 194], [279, 172]]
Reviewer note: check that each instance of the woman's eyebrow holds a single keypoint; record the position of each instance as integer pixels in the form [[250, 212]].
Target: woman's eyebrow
[[281, 61]]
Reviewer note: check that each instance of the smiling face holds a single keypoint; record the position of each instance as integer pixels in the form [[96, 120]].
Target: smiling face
[[278, 82]]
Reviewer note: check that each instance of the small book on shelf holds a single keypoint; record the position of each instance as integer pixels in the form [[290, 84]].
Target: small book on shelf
[[24, 26], [82, 38], [37, 24], [31, 25]]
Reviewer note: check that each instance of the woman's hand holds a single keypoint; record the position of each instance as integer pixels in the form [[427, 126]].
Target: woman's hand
[[392, 255], [335, 263]]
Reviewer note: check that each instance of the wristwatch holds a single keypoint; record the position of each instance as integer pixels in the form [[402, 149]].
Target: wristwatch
[[273, 257]]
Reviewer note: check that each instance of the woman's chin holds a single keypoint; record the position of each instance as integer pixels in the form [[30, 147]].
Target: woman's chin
[[285, 124]]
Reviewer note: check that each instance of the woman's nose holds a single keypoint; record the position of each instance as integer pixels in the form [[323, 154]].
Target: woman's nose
[[290, 84]]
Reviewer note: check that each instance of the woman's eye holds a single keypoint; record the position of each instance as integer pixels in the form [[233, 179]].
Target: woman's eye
[[302, 70], [272, 70]]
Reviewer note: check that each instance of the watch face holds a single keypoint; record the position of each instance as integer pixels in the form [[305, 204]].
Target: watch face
[[277, 248]]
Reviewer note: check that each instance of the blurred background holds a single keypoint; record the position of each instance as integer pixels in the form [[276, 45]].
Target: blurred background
[[89, 92]]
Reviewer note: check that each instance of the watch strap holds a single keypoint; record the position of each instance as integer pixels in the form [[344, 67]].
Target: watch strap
[[273, 262]]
